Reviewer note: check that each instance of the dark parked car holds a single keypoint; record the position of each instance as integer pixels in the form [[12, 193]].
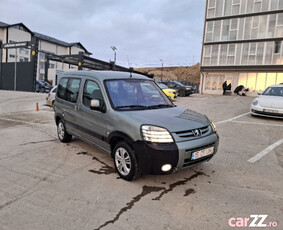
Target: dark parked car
[[184, 90], [42, 86]]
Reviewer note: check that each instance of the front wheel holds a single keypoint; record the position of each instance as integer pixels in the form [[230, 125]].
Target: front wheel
[[62, 133], [125, 162]]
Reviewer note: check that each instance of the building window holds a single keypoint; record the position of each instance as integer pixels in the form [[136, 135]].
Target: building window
[[225, 30], [209, 32], [257, 6], [24, 51], [233, 29], [277, 47], [274, 5], [255, 27], [236, 7], [211, 8], [42, 56], [42, 65], [51, 66]]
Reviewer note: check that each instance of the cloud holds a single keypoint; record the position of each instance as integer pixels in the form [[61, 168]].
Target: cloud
[[143, 31]]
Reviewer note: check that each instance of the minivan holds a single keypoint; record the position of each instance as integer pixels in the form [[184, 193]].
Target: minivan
[[128, 116]]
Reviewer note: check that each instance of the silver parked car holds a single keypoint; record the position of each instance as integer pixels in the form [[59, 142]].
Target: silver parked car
[[270, 103], [50, 99], [128, 116]]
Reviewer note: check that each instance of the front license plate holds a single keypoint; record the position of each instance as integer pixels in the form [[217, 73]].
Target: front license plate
[[202, 153], [270, 110]]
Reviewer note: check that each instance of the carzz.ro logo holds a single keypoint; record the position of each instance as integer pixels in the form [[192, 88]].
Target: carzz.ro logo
[[252, 221]]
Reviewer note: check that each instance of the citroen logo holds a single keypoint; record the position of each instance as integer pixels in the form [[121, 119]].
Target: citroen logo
[[197, 132]]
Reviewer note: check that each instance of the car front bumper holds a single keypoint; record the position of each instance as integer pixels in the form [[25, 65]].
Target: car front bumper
[[179, 155], [266, 112]]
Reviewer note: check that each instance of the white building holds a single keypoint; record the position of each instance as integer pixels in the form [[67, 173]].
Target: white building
[[242, 44], [46, 44]]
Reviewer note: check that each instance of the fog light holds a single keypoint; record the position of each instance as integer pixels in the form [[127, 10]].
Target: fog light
[[166, 168]]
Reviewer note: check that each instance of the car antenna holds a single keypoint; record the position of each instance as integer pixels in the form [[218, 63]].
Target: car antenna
[[131, 70]]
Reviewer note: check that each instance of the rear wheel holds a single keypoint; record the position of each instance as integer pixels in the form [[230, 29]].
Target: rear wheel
[[182, 94], [62, 133], [125, 162]]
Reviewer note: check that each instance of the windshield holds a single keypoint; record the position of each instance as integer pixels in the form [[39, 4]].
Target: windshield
[[178, 83], [162, 86], [273, 91], [136, 94]]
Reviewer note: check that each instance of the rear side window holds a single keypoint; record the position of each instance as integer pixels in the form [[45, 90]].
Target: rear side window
[[62, 88], [68, 89], [73, 90]]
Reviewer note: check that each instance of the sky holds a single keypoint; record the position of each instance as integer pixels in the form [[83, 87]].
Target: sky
[[143, 31]]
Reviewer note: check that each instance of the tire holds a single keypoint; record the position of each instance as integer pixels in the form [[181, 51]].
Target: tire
[[125, 162], [182, 94], [53, 104], [63, 136]]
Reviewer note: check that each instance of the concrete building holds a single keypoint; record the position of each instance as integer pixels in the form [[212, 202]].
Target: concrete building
[[46, 45], [242, 44]]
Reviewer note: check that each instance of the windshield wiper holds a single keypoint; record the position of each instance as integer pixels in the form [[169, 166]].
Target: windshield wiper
[[160, 106], [132, 106]]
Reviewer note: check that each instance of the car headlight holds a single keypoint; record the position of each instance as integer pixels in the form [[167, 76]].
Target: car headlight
[[213, 126], [255, 102], [156, 134]]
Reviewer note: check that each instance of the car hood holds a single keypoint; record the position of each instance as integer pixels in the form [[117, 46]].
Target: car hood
[[271, 102], [173, 119], [170, 90]]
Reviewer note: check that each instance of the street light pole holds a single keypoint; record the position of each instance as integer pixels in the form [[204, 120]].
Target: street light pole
[[161, 69], [114, 50]]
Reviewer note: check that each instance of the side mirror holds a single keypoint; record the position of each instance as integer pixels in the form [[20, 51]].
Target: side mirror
[[97, 105], [94, 103], [259, 93]]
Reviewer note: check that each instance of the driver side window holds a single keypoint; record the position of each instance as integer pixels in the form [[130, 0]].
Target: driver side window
[[92, 91]]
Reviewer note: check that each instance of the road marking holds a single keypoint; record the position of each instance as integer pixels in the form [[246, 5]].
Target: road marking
[[26, 122], [257, 123], [231, 119], [265, 152]]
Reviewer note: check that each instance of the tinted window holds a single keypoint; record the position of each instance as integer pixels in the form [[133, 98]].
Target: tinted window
[[92, 91], [62, 88], [73, 90]]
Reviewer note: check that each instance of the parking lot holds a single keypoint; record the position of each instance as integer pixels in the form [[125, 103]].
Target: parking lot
[[45, 184]]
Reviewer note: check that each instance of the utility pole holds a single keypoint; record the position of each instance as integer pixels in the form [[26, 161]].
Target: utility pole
[[114, 50], [15, 75], [161, 69]]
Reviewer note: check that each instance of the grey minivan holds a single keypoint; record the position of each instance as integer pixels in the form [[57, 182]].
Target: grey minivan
[[128, 116]]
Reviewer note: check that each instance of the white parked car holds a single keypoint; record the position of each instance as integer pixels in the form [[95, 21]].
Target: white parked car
[[51, 96], [269, 103]]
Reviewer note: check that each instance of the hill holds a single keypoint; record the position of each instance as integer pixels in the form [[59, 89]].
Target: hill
[[182, 73]]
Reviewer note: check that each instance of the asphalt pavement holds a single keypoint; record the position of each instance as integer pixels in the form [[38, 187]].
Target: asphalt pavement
[[45, 184]]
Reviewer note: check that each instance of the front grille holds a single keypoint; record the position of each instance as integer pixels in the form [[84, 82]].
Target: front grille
[[190, 133], [188, 161], [268, 114]]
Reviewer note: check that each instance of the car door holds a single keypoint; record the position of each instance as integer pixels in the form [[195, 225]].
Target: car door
[[94, 125], [68, 91]]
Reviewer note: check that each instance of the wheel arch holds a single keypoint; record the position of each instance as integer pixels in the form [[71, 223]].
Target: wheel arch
[[115, 137]]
